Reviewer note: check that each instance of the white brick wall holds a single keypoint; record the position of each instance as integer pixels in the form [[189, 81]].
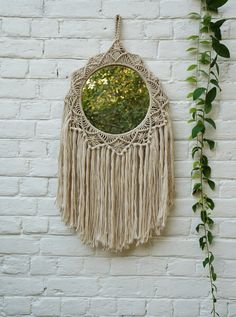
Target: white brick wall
[[44, 268]]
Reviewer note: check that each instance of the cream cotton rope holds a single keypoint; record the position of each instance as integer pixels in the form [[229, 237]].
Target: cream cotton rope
[[115, 189]]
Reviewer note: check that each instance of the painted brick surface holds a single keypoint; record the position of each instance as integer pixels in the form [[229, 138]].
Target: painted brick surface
[[44, 268]]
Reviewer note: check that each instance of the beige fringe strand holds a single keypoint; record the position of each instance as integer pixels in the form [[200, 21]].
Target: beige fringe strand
[[115, 200]]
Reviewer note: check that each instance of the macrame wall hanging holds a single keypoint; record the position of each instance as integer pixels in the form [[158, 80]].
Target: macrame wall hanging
[[115, 174]]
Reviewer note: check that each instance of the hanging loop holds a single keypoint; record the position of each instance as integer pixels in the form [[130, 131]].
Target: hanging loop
[[117, 30]]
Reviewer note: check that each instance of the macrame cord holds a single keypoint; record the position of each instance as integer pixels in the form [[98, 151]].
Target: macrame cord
[[115, 189]]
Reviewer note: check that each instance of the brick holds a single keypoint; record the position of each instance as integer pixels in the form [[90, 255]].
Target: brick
[[13, 167], [41, 265], [33, 148], [41, 28], [53, 148], [158, 29], [228, 229], [177, 8], [71, 307], [52, 187], [43, 167], [181, 267], [10, 225], [184, 28], [66, 67], [227, 189], [183, 308], [173, 50], [35, 225], [8, 186], [177, 226], [46, 307], [17, 88], [26, 48], [15, 306], [58, 227], [17, 206], [49, 129], [102, 266], [159, 307], [14, 68], [16, 264], [53, 89], [77, 9], [76, 286], [20, 286], [8, 148], [131, 307], [64, 246], [147, 49], [71, 48], [24, 8], [35, 110], [57, 109], [16, 27], [47, 207], [160, 69], [134, 9], [19, 245], [33, 186], [42, 69], [70, 265], [16, 129]]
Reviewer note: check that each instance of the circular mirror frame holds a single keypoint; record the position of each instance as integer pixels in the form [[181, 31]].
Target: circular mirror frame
[[156, 116], [144, 105]]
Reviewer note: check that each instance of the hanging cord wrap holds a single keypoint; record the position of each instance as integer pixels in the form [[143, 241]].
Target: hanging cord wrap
[[118, 27]]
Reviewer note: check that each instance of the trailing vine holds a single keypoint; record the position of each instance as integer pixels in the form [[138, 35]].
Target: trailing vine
[[207, 47]]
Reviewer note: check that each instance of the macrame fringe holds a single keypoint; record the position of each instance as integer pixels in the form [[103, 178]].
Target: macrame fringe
[[115, 200]]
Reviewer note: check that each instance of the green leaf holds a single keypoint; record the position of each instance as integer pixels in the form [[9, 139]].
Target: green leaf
[[193, 37], [210, 203], [202, 242], [197, 188], [215, 4], [204, 160], [205, 42], [195, 206], [211, 259], [215, 82], [191, 79], [199, 127], [211, 184], [205, 262], [205, 58], [218, 23], [214, 61], [194, 15], [198, 92], [210, 143], [191, 49], [199, 226], [195, 150], [204, 216], [206, 171], [210, 96], [220, 48], [210, 222], [209, 237], [192, 67], [211, 122], [208, 107], [214, 277]]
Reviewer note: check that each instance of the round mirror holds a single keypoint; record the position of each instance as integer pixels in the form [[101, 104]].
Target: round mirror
[[115, 99]]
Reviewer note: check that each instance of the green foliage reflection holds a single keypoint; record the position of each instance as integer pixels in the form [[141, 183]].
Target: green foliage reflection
[[115, 99]]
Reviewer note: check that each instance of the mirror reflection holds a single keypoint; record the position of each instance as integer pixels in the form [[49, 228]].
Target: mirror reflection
[[115, 99]]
